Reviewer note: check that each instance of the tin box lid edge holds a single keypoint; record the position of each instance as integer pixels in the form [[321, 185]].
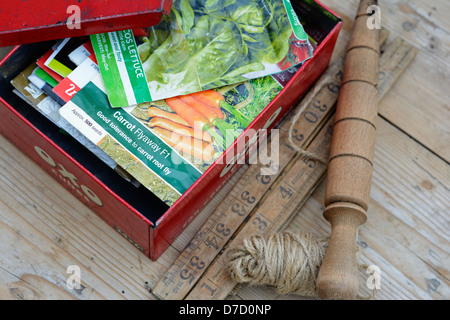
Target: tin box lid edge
[[35, 23]]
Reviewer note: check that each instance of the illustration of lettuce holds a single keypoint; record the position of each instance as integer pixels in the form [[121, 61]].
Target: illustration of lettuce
[[208, 44]]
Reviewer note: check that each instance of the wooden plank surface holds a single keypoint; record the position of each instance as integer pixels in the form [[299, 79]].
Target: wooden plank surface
[[44, 229]]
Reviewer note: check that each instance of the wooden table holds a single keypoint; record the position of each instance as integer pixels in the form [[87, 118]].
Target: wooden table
[[44, 229]]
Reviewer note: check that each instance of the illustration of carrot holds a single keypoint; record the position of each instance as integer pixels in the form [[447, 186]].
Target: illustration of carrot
[[197, 148], [157, 112], [214, 115], [200, 122], [178, 128], [209, 112], [194, 118], [214, 99]]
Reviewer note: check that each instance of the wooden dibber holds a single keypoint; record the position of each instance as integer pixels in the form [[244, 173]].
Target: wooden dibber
[[351, 158]]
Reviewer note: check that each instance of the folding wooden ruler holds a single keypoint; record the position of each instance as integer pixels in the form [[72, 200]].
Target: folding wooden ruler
[[262, 204]]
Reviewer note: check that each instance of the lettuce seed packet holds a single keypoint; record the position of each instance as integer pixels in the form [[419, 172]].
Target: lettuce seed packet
[[201, 45]]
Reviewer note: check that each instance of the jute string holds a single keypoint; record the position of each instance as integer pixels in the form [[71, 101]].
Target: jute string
[[288, 262], [307, 100]]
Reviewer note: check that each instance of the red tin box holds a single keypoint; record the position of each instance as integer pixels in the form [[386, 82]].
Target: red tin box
[[49, 20], [136, 213]]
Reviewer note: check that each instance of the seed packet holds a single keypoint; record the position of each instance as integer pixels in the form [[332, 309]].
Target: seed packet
[[81, 53], [29, 92], [45, 77], [77, 79], [201, 45], [59, 61], [48, 107], [168, 144], [44, 87], [41, 63]]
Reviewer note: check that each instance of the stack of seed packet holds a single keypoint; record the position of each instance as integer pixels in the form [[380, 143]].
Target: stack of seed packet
[[164, 102], [48, 84]]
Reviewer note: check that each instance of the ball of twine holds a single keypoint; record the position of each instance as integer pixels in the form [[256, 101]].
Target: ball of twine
[[287, 261]]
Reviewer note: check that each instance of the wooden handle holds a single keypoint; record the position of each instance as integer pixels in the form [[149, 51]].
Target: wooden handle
[[338, 272], [351, 159]]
